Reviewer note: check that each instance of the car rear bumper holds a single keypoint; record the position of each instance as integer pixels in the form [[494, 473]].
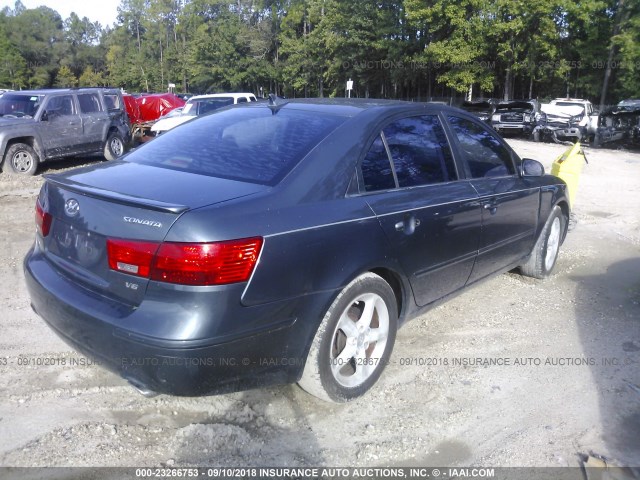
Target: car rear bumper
[[272, 355]]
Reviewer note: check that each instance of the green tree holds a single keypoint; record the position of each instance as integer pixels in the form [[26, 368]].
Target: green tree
[[65, 78], [13, 68], [91, 78]]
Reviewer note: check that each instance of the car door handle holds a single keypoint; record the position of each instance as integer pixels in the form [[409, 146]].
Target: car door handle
[[492, 207], [408, 225]]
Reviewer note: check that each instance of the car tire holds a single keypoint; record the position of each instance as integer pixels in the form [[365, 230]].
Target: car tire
[[545, 252], [21, 159], [344, 360], [114, 147]]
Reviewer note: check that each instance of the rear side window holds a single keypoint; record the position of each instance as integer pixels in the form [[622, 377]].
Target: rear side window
[[420, 152], [484, 153], [241, 100], [376, 168], [113, 101], [250, 145], [89, 102]]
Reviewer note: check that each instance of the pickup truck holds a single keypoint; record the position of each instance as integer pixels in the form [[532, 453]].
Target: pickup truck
[[42, 125]]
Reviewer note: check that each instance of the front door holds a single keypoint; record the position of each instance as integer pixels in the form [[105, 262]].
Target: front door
[[61, 132], [509, 206]]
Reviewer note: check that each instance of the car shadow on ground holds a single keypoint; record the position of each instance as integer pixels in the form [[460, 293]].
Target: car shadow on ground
[[608, 320], [55, 166]]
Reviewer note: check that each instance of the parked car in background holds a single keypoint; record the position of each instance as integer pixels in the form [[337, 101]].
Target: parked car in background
[[284, 242], [629, 105], [201, 105], [583, 122], [483, 109], [517, 117], [560, 123], [619, 126], [42, 125]]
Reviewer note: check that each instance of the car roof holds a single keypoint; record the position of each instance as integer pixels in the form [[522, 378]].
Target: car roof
[[577, 100], [218, 95], [349, 106], [49, 91]]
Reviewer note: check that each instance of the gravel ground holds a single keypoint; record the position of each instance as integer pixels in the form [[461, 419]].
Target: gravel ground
[[568, 381]]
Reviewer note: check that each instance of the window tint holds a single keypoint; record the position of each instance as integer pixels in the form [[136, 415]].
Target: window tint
[[420, 152], [113, 101], [241, 100], [89, 102], [486, 156], [207, 105], [376, 168], [250, 145], [62, 105]]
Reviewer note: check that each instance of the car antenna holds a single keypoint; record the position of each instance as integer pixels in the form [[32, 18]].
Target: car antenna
[[274, 106]]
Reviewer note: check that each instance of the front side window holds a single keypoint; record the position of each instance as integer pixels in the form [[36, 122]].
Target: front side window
[[486, 156], [420, 152], [62, 105]]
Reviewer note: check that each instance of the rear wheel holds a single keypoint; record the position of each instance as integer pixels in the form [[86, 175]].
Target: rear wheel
[[545, 252], [114, 147], [21, 159], [353, 342]]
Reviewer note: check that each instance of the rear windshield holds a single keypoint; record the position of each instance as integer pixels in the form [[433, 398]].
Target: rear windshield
[[247, 144], [206, 105]]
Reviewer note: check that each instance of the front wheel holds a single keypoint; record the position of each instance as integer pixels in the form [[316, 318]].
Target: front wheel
[[21, 159], [114, 147], [545, 252], [353, 342]]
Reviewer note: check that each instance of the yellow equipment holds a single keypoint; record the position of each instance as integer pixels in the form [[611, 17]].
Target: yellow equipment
[[568, 167]]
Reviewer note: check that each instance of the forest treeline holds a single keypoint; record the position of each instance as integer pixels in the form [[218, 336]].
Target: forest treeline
[[410, 49]]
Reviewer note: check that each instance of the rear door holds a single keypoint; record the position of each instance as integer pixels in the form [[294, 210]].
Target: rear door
[[510, 205], [95, 120], [431, 219]]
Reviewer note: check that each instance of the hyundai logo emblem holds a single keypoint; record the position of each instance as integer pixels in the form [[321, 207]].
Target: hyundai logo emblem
[[71, 207]]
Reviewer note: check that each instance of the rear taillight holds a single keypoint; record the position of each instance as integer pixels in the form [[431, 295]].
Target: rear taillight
[[216, 263], [131, 256], [43, 220]]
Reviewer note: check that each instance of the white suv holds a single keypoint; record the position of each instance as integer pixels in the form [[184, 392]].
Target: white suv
[[199, 105], [587, 121]]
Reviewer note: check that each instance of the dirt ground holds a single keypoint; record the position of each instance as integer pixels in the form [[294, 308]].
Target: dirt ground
[[568, 381]]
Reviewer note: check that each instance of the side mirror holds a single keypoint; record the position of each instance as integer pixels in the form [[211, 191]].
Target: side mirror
[[45, 116], [532, 168]]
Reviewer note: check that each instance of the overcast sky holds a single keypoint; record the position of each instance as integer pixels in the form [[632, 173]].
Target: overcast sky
[[103, 11]]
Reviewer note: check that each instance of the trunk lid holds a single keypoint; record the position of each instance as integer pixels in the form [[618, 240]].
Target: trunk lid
[[120, 200]]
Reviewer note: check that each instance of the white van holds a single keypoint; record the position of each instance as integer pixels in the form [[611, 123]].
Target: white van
[[199, 105]]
